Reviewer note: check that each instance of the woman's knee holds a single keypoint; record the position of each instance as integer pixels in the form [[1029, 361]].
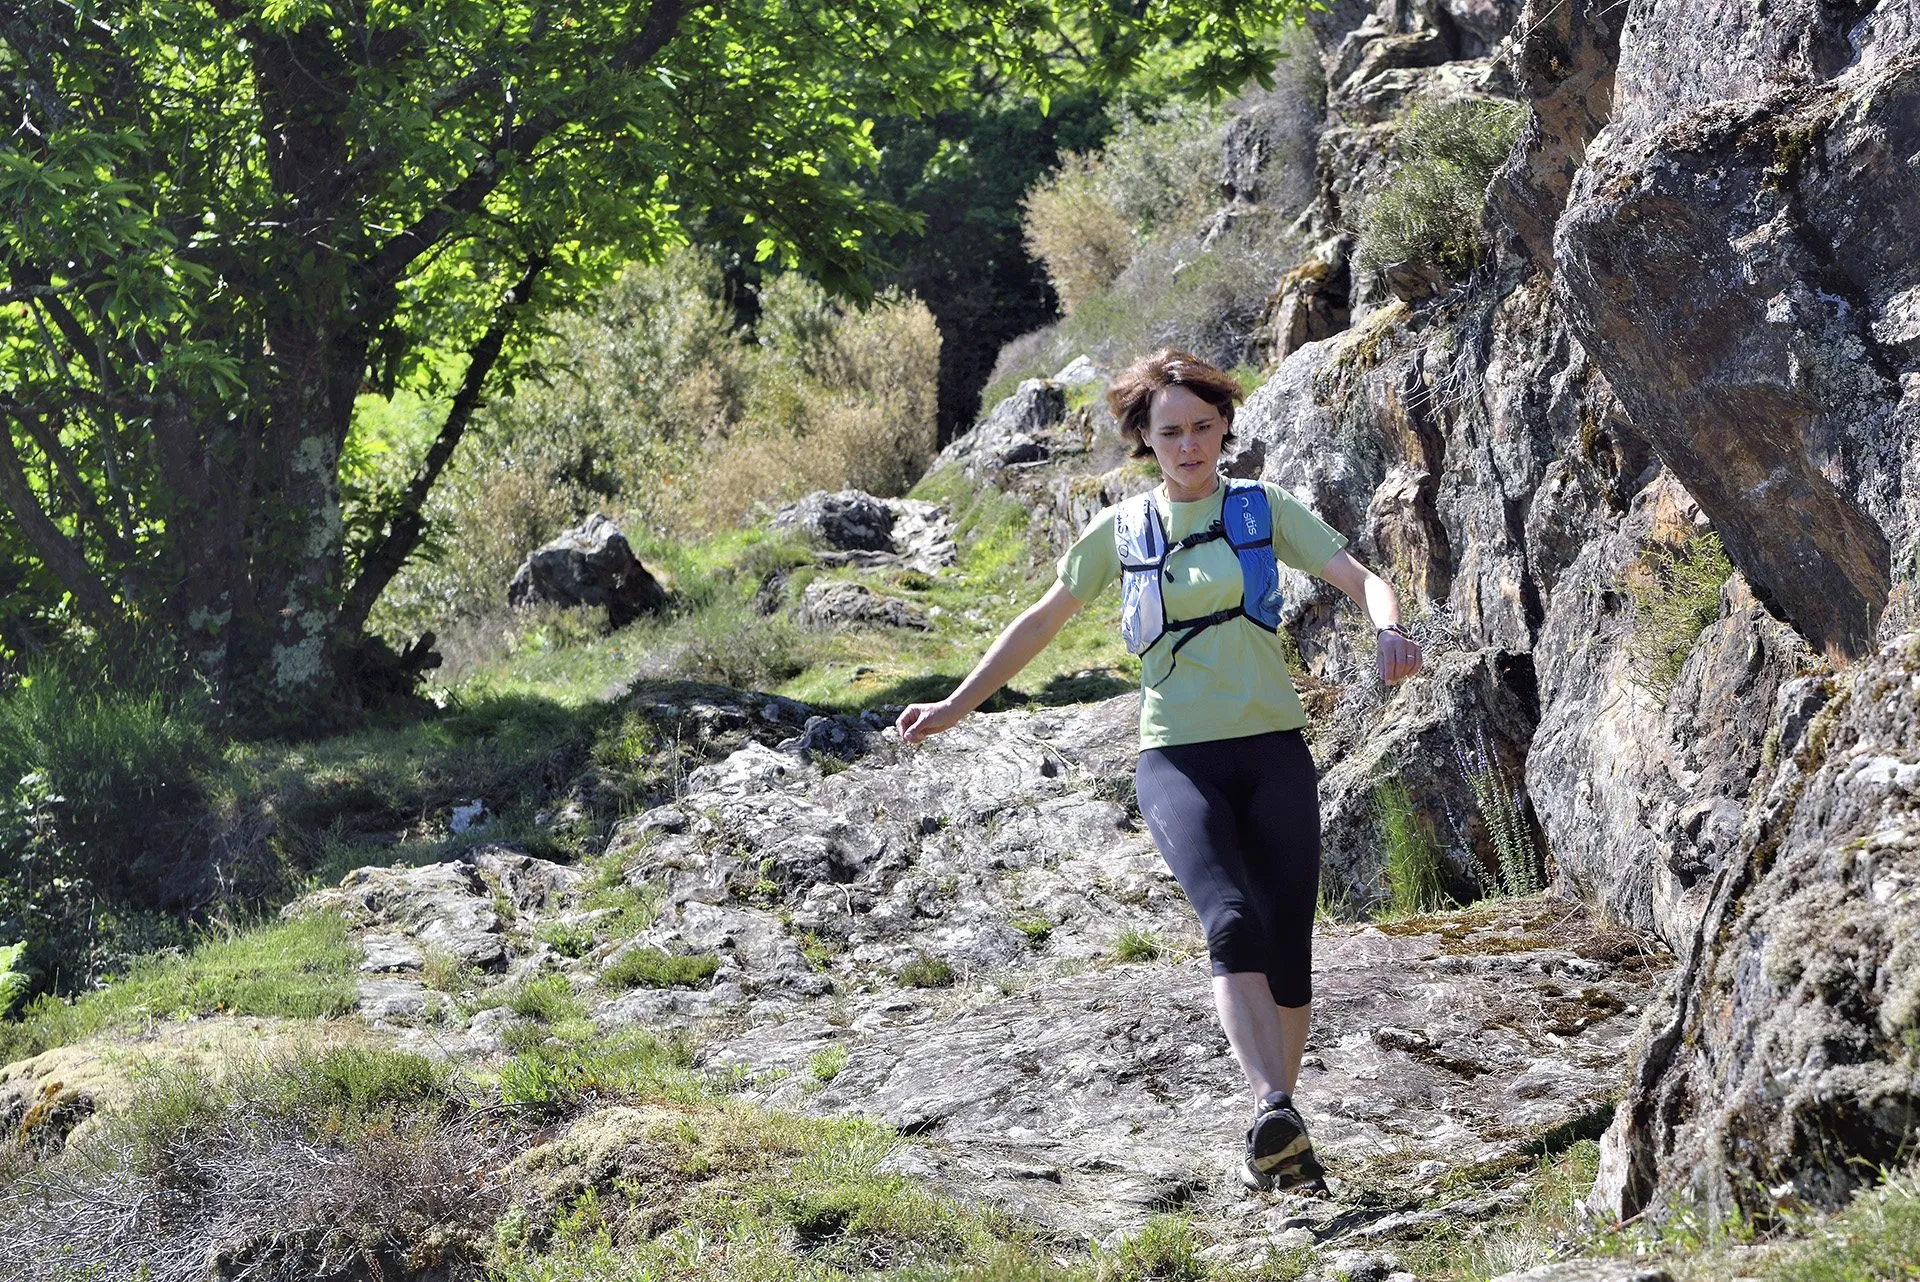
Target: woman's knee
[[1292, 986], [1235, 941]]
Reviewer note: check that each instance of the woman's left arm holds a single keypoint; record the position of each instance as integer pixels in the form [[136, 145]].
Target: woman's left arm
[[1399, 655]]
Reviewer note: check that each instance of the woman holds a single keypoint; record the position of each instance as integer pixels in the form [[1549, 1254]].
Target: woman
[[1224, 779]]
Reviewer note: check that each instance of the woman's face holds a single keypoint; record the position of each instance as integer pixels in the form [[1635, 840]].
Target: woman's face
[[1185, 434]]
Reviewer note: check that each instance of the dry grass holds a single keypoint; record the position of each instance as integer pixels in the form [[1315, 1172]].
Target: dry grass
[[655, 411], [300, 1167], [1070, 223]]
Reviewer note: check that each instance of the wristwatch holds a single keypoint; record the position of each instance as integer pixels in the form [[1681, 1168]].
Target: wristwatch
[[1397, 630]]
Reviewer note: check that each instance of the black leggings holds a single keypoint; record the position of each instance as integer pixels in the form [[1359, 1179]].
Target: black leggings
[[1238, 821]]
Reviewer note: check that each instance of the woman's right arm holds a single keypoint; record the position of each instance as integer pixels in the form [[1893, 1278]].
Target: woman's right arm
[[1011, 651]]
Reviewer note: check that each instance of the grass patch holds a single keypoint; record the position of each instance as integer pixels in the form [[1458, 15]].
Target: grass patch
[[924, 971], [1036, 929], [1550, 1217], [572, 939], [1415, 882], [349, 1152], [300, 969], [1135, 945], [826, 1065], [722, 1192], [1875, 1238], [1676, 594], [656, 968], [556, 1077]]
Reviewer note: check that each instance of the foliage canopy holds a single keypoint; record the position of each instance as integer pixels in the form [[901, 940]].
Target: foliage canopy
[[225, 219]]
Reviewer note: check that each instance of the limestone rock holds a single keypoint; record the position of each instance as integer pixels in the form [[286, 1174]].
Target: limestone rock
[[1563, 58], [838, 602], [853, 528], [1310, 303], [1787, 1039], [1642, 801], [1464, 703], [589, 566], [446, 907], [1590, 1271], [850, 520], [1011, 430]]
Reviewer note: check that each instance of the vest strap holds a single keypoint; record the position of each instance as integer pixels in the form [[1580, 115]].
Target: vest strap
[[1192, 628]]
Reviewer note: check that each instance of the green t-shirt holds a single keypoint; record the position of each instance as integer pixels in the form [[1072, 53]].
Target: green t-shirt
[[1231, 680]]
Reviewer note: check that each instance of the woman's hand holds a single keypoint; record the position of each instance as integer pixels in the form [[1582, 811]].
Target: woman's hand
[[1399, 657], [924, 720]]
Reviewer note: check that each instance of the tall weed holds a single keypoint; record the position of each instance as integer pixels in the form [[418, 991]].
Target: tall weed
[[1415, 881], [1517, 868]]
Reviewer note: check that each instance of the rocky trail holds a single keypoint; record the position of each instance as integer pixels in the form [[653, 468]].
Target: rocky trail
[[1037, 1072]]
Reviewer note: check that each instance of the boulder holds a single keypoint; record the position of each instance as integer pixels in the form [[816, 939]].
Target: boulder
[[836, 603], [590, 565], [1743, 272], [850, 521], [1009, 433]]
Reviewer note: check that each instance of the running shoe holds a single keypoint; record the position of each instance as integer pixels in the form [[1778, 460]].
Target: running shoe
[[1279, 1154]]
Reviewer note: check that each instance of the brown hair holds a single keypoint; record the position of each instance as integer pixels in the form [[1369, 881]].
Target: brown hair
[[1130, 396]]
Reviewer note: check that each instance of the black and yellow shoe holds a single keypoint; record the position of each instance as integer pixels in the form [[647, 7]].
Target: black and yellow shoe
[[1279, 1154]]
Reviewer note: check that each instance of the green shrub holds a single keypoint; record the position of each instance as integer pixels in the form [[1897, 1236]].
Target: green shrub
[[1071, 224], [1415, 880], [656, 968], [1036, 929], [1428, 210], [1136, 945], [104, 823], [924, 970], [13, 982], [1676, 594], [731, 645]]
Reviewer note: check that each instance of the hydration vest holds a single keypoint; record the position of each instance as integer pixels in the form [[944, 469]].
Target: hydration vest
[[1246, 523]]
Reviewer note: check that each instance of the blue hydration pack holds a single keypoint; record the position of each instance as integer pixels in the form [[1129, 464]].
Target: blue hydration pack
[[1246, 523]]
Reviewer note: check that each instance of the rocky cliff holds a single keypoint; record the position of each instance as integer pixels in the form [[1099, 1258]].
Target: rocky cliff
[[1697, 313]]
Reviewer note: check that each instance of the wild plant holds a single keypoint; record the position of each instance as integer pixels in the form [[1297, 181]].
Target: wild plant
[[1498, 799], [1415, 883]]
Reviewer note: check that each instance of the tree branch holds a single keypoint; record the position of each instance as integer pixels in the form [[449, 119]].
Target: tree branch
[[391, 260], [409, 522], [49, 442], [60, 553]]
